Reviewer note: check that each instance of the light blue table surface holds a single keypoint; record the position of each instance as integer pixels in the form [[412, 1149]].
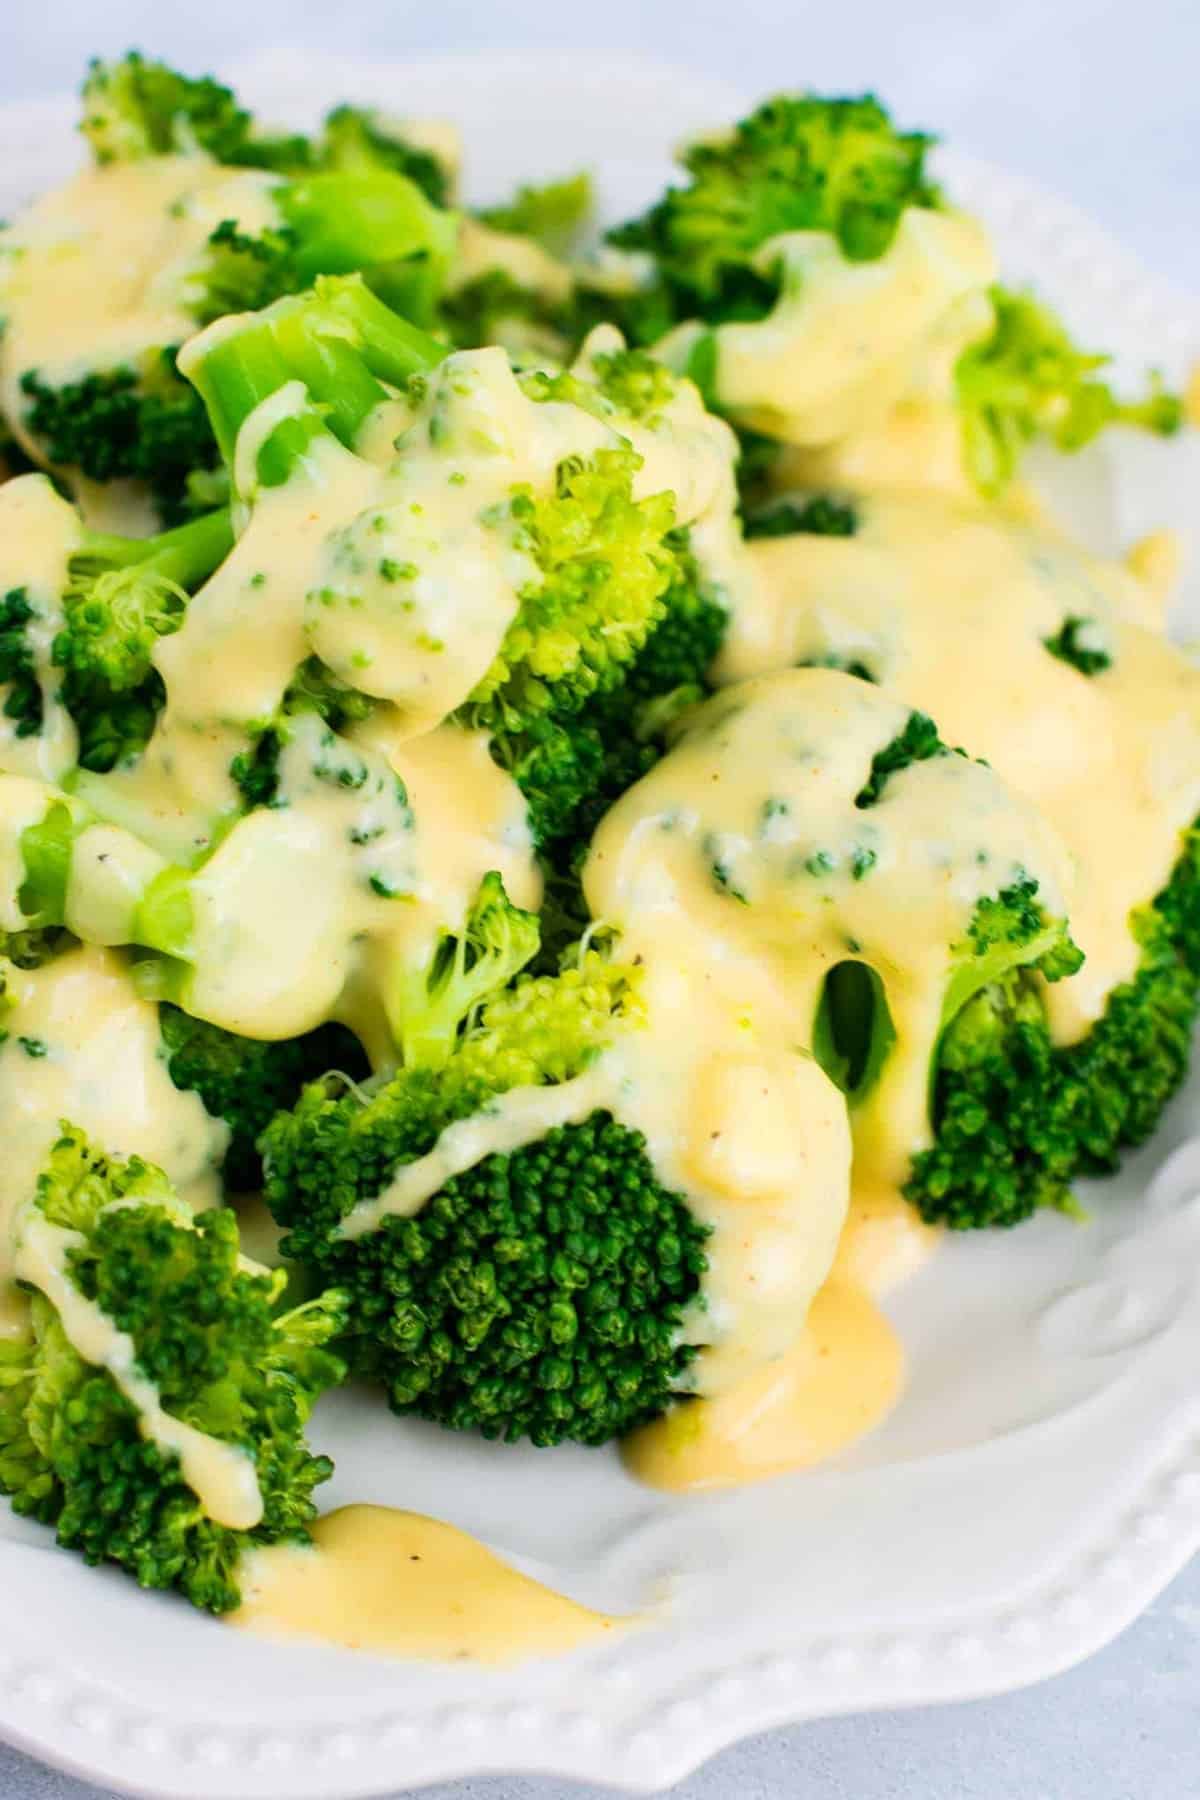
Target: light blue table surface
[[1101, 99]]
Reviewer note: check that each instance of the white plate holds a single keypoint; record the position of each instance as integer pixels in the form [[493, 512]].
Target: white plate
[[1037, 1485]]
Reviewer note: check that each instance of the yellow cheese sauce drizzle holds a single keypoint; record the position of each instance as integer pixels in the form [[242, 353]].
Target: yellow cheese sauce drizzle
[[400, 1584], [840, 1378]]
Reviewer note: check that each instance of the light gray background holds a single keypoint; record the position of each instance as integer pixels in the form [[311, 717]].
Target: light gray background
[[1101, 99]]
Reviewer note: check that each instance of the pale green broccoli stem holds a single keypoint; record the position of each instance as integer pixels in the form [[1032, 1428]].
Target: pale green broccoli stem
[[186, 556], [341, 342], [344, 221]]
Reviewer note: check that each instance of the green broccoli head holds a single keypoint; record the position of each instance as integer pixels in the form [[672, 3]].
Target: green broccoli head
[[428, 1006], [334, 212], [245, 1081], [1028, 380], [1017, 1117], [361, 139], [606, 565], [80, 1445], [537, 1292], [24, 702], [134, 107], [798, 163], [124, 595], [141, 424], [552, 213], [571, 768]]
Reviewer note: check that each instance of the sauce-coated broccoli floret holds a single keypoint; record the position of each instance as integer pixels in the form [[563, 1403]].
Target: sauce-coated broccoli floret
[[193, 1341], [537, 1293], [798, 163]]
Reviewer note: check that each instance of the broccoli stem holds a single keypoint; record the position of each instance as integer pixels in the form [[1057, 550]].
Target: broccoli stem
[[340, 341], [345, 221], [187, 555]]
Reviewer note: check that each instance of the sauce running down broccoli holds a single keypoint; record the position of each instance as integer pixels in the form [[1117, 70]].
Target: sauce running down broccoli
[[156, 1415], [798, 163], [539, 1290]]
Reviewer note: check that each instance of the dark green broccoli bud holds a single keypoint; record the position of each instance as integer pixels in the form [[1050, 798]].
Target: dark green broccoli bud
[[13, 459], [821, 516], [1076, 643], [1018, 1118], [1027, 380], [208, 1348], [537, 1294], [134, 108], [917, 742], [572, 768], [1002, 1148], [246, 1082], [553, 214], [143, 424], [23, 699], [799, 163]]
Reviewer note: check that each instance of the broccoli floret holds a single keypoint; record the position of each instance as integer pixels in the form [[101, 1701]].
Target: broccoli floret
[[917, 742], [137, 419], [553, 214], [361, 139], [606, 561], [143, 424], [572, 768], [1027, 380], [206, 1347], [820, 516], [1076, 643], [23, 700], [606, 566], [798, 163], [430, 1004], [134, 108], [1017, 1118], [535, 1294], [246, 1082], [126, 594]]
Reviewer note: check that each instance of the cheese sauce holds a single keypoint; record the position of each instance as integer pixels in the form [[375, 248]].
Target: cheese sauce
[[95, 273], [83, 1046], [845, 339], [928, 596], [400, 1584]]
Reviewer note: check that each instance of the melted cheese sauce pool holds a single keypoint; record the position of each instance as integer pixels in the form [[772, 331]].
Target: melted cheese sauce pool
[[840, 1378], [400, 1584]]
